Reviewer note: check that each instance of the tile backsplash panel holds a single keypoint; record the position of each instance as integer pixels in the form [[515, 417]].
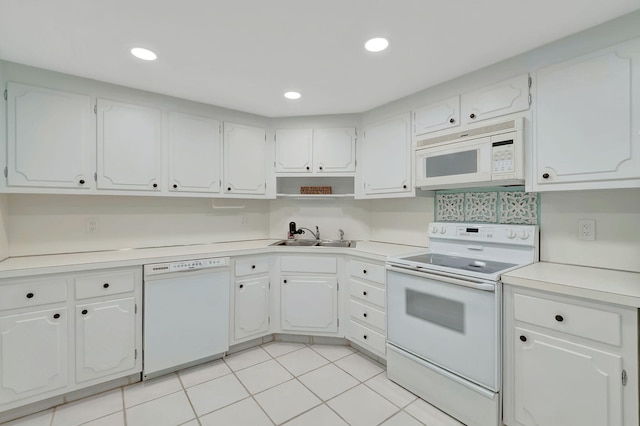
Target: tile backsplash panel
[[491, 205]]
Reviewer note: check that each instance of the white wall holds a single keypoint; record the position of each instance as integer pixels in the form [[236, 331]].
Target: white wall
[[53, 224], [402, 220], [617, 216], [4, 238]]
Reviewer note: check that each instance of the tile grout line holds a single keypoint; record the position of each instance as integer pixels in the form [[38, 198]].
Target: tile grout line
[[184, 389]]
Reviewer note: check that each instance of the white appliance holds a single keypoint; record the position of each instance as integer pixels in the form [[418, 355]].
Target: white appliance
[[444, 316], [487, 155], [186, 314]]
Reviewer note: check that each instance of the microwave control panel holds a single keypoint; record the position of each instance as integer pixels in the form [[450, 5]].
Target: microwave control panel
[[503, 154]]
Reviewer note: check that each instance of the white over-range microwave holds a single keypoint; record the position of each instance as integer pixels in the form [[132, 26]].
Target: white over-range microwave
[[482, 156]]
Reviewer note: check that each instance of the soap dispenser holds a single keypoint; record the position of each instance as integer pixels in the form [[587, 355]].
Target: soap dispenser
[[292, 230]]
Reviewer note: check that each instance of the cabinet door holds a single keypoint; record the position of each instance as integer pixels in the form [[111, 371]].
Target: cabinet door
[[129, 146], [386, 158], [334, 150], [195, 153], [245, 153], [251, 307], [34, 353], [293, 150], [106, 339], [437, 116], [506, 97], [309, 304], [50, 142], [561, 383], [586, 126]]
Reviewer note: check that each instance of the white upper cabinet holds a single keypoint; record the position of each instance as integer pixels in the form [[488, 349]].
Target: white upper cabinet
[[317, 151], [437, 116], [294, 150], [195, 153], [129, 146], [245, 160], [507, 97], [50, 139], [386, 167], [587, 126]]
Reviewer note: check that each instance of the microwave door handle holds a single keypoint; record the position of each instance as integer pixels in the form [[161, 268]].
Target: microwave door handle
[[478, 285]]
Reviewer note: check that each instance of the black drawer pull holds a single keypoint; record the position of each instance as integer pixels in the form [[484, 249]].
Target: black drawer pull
[[284, 281], [545, 175], [81, 181], [155, 185], [105, 285], [84, 312], [175, 186], [452, 120], [559, 318], [364, 315], [253, 266], [472, 116], [241, 285], [364, 293], [365, 337], [56, 316], [523, 338], [364, 271], [30, 295]]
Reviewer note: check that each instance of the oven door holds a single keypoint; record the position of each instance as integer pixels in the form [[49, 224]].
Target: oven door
[[454, 164], [450, 322]]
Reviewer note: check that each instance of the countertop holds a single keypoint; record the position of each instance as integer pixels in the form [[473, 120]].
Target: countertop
[[605, 285], [69, 262]]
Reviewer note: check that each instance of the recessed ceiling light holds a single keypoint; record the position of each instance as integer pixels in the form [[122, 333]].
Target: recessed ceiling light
[[292, 95], [377, 44], [144, 54]]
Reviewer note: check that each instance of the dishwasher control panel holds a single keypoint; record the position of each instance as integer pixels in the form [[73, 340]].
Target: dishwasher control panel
[[185, 265]]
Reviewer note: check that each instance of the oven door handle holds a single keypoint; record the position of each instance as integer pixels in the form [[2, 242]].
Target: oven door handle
[[478, 285]]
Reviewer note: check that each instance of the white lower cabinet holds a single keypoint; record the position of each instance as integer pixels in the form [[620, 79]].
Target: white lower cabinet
[[34, 357], [569, 361], [251, 316], [105, 338], [309, 303], [64, 332]]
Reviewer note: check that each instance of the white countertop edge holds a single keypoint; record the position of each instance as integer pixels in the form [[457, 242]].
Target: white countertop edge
[[15, 267]]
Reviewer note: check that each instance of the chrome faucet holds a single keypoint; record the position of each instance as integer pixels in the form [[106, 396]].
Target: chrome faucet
[[341, 234], [315, 234]]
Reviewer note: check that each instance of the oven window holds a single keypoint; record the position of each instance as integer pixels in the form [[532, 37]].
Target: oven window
[[438, 310], [458, 163]]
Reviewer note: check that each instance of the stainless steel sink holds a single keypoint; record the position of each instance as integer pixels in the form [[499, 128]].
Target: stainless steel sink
[[315, 243]]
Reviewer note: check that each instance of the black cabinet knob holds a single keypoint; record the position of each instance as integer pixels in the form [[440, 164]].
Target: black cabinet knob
[[105, 285], [85, 312], [320, 167], [308, 167], [81, 181], [364, 315], [56, 316], [364, 293], [241, 286], [155, 185], [452, 120], [364, 271], [472, 116], [175, 186], [229, 188], [30, 295], [284, 281], [559, 318], [365, 337], [404, 186], [545, 176], [523, 338], [253, 266]]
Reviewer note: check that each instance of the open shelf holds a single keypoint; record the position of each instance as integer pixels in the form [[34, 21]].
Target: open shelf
[[289, 187]]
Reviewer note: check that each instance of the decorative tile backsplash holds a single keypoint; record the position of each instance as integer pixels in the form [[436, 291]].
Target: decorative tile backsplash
[[492, 205]]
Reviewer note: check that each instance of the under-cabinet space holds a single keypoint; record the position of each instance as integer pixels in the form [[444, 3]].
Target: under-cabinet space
[[319, 187]]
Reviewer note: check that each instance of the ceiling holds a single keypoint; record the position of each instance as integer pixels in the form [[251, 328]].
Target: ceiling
[[245, 54]]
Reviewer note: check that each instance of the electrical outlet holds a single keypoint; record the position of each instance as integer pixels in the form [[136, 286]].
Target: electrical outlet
[[91, 225], [587, 230]]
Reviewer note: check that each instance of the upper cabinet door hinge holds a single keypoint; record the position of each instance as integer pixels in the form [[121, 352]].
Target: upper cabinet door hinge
[[337, 286], [624, 377], [6, 94], [529, 98], [135, 354], [95, 177], [95, 109], [530, 81], [135, 308], [6, 171]]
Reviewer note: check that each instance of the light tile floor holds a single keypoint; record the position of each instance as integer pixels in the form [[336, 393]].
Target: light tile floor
[[278, 383]]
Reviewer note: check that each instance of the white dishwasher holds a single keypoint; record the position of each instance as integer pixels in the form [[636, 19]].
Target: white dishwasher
[[185, 314]]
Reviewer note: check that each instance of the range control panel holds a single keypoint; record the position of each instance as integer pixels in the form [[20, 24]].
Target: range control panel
[[491, 233], [186, 265]]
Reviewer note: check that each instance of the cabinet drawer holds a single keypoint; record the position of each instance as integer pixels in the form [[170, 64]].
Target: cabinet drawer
[[367, 337], [251, 266], [33, 293], [367, 271], [367, 292], [105, 284], [308, 264], [595, 324], [368, 315]]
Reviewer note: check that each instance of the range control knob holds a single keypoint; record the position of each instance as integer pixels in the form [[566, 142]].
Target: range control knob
[[443, 230], [523, 235], [434, 229], [511, 234]]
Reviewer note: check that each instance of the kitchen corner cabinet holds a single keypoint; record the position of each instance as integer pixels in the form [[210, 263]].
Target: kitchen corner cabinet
[[569, 361], [251, 305], [64, 332], [129, 146], [195, 153], [386, 167], [316, 151], [245, 159], [309, 294], [586, 122], [50, 139]]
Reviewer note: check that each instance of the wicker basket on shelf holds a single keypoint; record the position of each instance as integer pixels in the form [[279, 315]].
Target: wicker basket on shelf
[[315, 190]]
